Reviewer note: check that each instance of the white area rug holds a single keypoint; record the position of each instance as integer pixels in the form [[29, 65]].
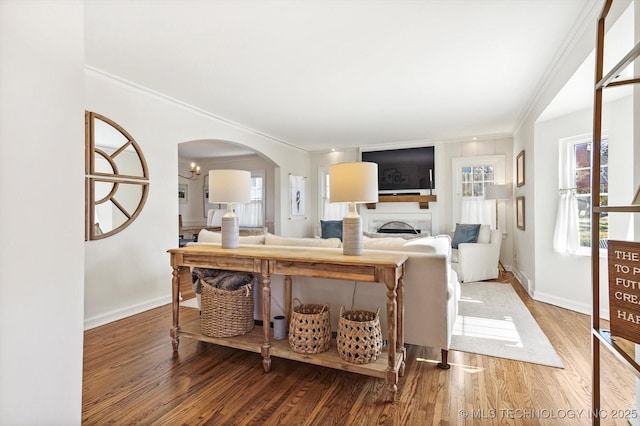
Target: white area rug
[[492, 320]]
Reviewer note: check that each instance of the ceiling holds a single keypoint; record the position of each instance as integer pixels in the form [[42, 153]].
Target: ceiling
[[331, 74]]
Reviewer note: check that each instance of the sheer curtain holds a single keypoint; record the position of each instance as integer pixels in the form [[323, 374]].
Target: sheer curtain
[[478, 210], [566, 236], [250, 214]]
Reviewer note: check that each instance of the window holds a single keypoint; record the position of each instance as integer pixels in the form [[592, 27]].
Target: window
[[475, 178], [471, 175], [329, 211], [581, 157], [252, 213]]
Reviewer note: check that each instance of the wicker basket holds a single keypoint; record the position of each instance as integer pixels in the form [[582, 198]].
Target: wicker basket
[[310, 329], [359, 338], [226, 313]]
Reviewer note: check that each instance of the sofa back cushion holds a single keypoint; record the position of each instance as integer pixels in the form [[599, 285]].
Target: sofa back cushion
[[276, 240], [484, 236], [206, 236]]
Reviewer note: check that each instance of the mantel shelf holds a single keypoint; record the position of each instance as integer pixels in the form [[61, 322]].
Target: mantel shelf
[[423, 200]]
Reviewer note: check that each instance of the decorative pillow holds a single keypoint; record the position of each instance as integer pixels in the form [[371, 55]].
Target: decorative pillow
[[276, 240], [214, 217], [465, 233], [484, 236], [206, 236], [331, 229]]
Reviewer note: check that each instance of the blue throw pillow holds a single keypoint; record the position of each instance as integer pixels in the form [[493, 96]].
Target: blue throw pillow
[[331, 229], [465, 233]]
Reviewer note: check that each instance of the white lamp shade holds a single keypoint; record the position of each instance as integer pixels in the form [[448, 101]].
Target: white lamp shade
[[353, 182], [229, 186], [497, 192]]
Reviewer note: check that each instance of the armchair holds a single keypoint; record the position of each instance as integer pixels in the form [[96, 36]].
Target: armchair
[[478, 261]]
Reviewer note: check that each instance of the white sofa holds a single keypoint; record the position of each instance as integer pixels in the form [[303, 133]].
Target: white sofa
[[431, 288], [478, 261]]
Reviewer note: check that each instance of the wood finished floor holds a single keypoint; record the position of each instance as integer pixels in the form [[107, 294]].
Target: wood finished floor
[[132, 376]]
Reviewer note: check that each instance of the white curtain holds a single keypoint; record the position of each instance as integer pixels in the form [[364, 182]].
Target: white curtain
[[478, 210], [334, 211], [566, 235], [250, 214]]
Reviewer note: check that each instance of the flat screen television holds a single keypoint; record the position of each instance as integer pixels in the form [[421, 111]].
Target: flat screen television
[[404, 170]]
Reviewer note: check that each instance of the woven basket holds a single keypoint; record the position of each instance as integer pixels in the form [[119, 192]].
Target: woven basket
[[359, 338], [310, 329], [226, 313]]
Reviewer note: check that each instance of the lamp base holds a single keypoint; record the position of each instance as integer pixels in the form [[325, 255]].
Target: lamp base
[[230, 231], [352, 236]]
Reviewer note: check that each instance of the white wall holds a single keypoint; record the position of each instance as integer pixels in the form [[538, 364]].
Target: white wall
[[561, 279], [41, 249], [142, 277], [536, 164]]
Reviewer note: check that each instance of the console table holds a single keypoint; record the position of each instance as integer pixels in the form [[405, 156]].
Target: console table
[[385, 268]]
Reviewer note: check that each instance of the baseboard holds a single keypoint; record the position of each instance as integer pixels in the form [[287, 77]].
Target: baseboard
[[583, 308], [118, 314]]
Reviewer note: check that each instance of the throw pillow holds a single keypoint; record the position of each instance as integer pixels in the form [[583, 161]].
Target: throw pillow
[[465, 233], [484, 236], [331, 229]]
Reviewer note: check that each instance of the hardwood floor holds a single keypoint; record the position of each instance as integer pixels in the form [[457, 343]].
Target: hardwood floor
[[132, 376]]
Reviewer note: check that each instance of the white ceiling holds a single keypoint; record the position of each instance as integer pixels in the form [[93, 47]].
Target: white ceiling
[[323, 74]]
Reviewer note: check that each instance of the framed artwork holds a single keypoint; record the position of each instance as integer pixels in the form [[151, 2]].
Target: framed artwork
[[520, 168], [298, 196], [183, 193], [520, 213]]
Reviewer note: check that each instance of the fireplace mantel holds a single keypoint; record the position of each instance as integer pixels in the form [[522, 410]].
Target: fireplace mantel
[[422, 200]]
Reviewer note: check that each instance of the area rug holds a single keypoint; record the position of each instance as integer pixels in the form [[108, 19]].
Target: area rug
[[492, 320]]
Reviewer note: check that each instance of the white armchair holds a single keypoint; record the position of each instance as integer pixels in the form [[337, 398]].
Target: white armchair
[[478, 261]]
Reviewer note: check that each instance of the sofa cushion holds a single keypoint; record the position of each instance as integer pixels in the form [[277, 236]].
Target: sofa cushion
[[276, 240], [331, 229], [206, 236], [465, 233], [484, 236], [390, 243], [385, 235]]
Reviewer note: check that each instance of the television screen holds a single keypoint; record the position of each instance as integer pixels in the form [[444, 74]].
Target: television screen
[[404, 169]]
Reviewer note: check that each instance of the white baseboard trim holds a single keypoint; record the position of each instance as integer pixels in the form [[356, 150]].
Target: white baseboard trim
[[118, 314], [582, 308]]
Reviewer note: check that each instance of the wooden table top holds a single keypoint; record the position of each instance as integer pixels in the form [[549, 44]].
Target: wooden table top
[[288, 253]]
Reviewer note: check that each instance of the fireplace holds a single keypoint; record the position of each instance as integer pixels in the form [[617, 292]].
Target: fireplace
[[398, 223]]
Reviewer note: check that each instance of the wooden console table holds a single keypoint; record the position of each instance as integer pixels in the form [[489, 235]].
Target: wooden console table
[[370, 267]]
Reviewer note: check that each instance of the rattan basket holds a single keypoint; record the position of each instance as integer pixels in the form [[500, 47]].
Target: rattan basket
[[359, 339], [310, 328], [226, 313]]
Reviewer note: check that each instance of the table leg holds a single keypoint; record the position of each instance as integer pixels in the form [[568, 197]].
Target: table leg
[[400, 308], [392, 372], [287, 298], [175, 302], [266, 319]]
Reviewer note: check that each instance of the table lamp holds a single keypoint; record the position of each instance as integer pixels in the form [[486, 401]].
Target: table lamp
[[355, 183], [230, 186]]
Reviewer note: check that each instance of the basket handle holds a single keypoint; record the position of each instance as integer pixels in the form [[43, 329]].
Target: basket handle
[[341, 310], [294, 302], [325, 308]]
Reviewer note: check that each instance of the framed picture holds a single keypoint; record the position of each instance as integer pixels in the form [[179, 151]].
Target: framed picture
[[298, 196], [183, 193], [520, 168], [520, 213]]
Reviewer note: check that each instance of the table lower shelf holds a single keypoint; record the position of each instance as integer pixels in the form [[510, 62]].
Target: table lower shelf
[[252, 342]]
